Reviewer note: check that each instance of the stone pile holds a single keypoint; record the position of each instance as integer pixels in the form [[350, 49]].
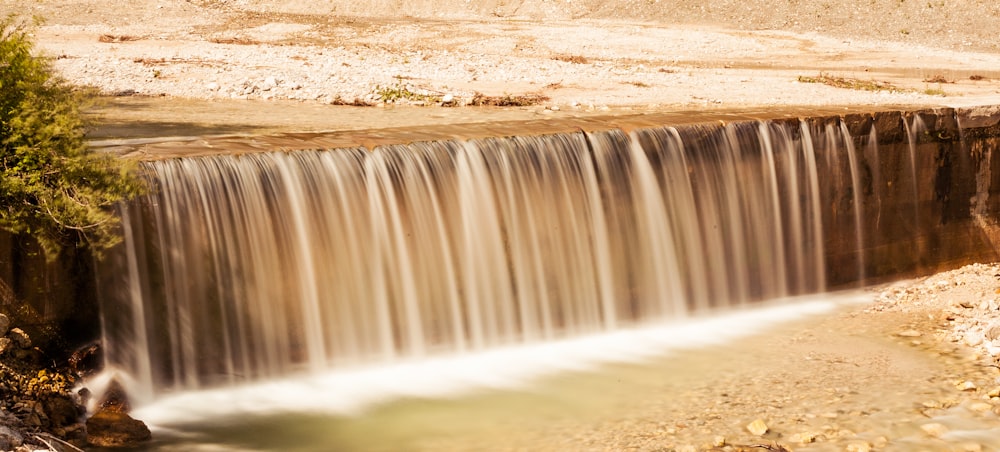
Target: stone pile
[[970, 298], [40, 407]]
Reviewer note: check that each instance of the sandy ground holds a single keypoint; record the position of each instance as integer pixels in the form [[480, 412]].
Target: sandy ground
[[582, 56], [177, 67]]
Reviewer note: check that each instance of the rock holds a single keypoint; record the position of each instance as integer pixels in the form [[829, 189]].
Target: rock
[[966, 386], [995, 392], [448, 98], [5, 345], [115, 398], [110, 428], [86, 360], [61, 410], [719, 441], [934, 429], [20, 338], [859, 446], [10, 438], [757, 427], [803, 438], [973, 339], [993, 331], [212, 86], [970, 447], [909, 333], [980, 407], [4, 324]]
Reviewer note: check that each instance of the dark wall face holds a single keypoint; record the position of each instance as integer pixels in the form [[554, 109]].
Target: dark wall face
[[54, 302], [928, 196]]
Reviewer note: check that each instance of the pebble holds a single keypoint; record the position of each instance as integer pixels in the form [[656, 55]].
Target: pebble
[[719, 441], [860, 446], [966, 386], [803, 438], [934, 429], [757, 427], [993, 331], [980, 407]]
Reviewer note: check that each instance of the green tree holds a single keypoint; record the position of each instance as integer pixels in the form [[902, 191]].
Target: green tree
[[52, 186]]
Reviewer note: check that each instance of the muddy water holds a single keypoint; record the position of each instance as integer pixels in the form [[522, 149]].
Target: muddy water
[[841, 377], [124, 118]]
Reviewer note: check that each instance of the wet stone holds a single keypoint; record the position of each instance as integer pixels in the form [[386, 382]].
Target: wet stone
[[115, 429], [19, 337]]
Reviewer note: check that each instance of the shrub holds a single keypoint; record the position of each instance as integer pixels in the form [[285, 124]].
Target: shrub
[[52, 187]]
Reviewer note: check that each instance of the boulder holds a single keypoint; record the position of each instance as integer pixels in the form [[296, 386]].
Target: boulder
[[61, 410], [115, 398], [86, 360], [109, 428], [4, 324], [10, 438], [19, 337]]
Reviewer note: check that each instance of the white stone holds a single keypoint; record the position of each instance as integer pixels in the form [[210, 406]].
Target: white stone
[[803, 438], [757, 427], [448, 98], [934, 429], [212, 86], [980, 407], [861, 446], [966, 386]]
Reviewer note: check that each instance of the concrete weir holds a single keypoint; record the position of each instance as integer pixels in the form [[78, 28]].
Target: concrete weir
[[928, 184], [897, 193]]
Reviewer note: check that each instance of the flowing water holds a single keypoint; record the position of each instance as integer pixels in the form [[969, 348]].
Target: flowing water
[[355, 276]]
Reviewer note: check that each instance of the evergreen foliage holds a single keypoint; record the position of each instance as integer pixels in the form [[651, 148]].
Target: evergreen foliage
[[52, 187]]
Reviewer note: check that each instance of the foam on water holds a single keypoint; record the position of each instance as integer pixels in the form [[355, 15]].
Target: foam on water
[[352, 391]]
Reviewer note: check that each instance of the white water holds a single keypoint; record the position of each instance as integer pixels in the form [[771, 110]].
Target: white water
[[352, 391]]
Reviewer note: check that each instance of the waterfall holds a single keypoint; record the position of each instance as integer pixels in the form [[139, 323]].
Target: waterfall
[[238, 268]]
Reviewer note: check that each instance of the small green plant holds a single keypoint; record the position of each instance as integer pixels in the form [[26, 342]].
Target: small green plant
[[52, 186], [575, 59], [399, 91], [935, 92], [507, 100], [639, 84], [850, 83]]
